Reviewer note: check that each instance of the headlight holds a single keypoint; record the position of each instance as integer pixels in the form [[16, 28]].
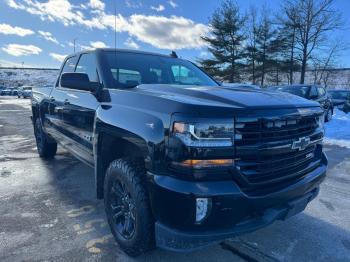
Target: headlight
[[205, 134]]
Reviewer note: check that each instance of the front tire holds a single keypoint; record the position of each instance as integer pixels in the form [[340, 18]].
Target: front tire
[[127, 206], [46, 149]]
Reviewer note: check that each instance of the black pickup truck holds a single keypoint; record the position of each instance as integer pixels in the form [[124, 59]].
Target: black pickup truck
[[180, 161]]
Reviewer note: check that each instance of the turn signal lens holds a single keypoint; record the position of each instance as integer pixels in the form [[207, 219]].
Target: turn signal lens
[[179, 127], [197, 164]]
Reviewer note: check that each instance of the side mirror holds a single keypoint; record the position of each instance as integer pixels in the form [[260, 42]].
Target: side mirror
[[78, 81]]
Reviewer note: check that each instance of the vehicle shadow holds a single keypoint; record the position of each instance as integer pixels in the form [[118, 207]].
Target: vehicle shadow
[[304, 237]]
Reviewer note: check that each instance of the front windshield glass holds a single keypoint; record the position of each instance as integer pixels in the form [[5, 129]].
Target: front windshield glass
[[132, 69], [301, 91], [342, 95]]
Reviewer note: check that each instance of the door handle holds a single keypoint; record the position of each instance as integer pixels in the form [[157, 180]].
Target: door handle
[[52, 99], [66, 102]]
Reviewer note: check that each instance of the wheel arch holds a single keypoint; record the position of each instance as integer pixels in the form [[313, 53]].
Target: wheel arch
[[35, 113], [121, 132]]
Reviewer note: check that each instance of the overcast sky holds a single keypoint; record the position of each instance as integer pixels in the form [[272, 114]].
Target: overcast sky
[[41, 32]]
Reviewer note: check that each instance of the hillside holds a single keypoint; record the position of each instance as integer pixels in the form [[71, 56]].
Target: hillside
[[35, 77]]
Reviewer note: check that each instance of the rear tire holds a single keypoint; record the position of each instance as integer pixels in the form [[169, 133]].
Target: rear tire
[[46, 148], [127, 206]]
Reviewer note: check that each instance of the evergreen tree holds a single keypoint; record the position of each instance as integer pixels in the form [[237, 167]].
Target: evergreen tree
[[267, 45], [251, 48], [225, 43]]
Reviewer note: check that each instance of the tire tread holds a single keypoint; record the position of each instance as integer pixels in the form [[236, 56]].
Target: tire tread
[[134, 171]]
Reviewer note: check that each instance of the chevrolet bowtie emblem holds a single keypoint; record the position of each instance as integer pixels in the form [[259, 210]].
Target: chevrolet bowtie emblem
[[301, 143]]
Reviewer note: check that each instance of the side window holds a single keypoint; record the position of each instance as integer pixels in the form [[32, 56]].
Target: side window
[[87, 65], [321, 91], [313, 92], [184, 75], [68, 67]]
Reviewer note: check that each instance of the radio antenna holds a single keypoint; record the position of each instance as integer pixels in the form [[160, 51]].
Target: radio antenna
[[115, 40], [115, 24]]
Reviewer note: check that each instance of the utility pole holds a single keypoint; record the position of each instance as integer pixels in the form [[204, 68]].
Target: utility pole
[[74, 40]]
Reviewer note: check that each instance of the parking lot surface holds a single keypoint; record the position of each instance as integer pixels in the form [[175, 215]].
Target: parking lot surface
[[48, 210]]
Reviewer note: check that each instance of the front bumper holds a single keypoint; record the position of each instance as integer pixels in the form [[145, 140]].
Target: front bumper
[[233, 212]]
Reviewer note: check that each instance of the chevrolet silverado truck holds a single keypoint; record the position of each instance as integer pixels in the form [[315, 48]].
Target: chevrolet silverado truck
[[180, 161]]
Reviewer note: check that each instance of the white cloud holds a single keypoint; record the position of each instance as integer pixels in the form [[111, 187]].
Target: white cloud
[[96, 4], [21, 50], [131, 44], [98, 44], [204, 54], [93, 45], [159, 8], [13, 4], [58, 57], [56, 10], [48, 36], [167, 32], [172, 3], [109, 21], [159, 31], [133, 4], [7, 29]]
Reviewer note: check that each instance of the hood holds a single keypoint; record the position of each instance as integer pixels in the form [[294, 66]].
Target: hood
[[225, 96]]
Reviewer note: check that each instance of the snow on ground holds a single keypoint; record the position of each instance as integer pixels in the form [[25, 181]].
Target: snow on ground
[[338, 129], [33, 77]]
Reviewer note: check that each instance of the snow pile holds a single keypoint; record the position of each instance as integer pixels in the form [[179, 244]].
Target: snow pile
[[338, 129], [33, 77]]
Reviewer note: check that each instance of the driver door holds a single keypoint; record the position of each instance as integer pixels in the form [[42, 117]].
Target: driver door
[[78, 112]]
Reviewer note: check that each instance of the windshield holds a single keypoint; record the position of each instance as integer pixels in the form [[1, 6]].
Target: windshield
[[132, 69], [301, 91], [341, 95]]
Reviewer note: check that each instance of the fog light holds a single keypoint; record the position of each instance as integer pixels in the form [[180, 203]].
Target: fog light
[[203, 206]]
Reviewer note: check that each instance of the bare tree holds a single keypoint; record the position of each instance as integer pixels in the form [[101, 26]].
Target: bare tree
[[314, 19], [324, 65]]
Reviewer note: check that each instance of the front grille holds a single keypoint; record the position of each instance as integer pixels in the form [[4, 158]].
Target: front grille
[[252, 131], [265, 156]]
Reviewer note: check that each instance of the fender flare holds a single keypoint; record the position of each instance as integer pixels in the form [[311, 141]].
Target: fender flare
[[143, 130]]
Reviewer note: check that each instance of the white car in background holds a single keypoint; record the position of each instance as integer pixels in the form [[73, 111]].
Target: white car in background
[[25, 92]]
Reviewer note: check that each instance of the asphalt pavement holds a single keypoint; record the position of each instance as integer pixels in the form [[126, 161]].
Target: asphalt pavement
[[48, 210]]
